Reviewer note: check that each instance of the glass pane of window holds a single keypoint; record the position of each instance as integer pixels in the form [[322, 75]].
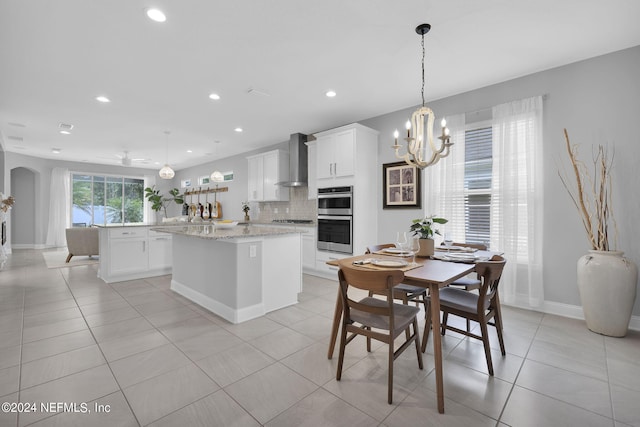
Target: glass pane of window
[[477, 218], [81, 207], [478, 159], [113, 205], [477, 184], [133, 200], [98, 200]]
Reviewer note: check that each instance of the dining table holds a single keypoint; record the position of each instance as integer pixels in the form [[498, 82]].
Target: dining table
[[431, 274]]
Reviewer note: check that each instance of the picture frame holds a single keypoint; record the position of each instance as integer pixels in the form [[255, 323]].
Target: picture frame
[[204, 180], [185, 183], [401, 186]]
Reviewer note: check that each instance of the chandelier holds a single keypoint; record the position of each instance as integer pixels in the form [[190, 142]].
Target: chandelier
[[421, 151], [166, 172]]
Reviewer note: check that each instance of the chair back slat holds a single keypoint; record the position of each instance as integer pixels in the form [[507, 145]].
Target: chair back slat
[[376, 248], [490, 271], [478, 246]]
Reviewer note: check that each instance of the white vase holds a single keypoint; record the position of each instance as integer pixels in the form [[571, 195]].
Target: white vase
[[607, 283], [427, 248]]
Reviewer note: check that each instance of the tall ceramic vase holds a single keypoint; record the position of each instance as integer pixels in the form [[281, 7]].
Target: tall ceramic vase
[[607, 284]]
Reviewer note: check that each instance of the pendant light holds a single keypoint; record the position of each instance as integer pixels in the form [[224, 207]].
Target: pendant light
[[166, 172], [421, 150]]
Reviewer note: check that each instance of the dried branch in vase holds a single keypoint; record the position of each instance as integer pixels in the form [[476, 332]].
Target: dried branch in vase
[[591, 195]]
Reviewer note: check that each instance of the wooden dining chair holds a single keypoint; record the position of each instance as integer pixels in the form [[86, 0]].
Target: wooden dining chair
[[374, 318], [402, 291], [469, 283], [481, 307]]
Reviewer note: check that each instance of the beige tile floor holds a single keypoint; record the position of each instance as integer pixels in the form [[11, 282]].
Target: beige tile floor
[[153, 358]]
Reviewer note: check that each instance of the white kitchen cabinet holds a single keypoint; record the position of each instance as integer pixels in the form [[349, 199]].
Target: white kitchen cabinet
[[254, 176], [127, 256], [133, 252], [312, 182], [159, 250], [265, 170], [127, 251], [335, 154], [337, 165], [308, 248]]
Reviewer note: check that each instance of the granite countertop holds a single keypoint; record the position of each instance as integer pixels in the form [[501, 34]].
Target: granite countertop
[[145, 224], [209, 231]]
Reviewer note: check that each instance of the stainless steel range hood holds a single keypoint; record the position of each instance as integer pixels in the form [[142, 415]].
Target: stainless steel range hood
[[297, 162]]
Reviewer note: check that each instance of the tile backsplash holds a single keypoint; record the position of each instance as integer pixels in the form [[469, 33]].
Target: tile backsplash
[[299, 207]]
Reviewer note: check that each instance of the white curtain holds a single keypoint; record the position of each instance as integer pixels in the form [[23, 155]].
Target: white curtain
[[59, 207], [516, 199], [444, 184]]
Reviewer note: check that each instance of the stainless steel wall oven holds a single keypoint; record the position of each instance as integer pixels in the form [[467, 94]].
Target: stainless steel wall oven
[[335, 219]]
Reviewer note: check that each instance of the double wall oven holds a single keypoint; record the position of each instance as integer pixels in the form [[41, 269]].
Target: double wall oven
[[335, 219]]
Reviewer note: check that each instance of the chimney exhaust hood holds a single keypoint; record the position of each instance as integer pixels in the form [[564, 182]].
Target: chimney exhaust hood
[[298, 167]]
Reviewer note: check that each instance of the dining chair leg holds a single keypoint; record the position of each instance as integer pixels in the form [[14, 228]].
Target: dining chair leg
[[368, 341], [468, 325], [427, 329], [343, 344], [390, 379], [417, 341], [485, 341], [405, 301], [445, 317], [498, 321]]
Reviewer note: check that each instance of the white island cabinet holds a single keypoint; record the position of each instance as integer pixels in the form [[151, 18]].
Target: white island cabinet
[[239, 273], [133, 252]]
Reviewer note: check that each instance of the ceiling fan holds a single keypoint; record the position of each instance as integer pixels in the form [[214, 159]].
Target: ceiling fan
[[125, 160]]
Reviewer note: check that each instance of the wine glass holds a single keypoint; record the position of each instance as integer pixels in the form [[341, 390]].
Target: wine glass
[[401, 240], [448, 241], [414, 247]]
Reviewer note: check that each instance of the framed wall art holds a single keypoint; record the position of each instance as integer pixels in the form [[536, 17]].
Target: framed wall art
[[401, 186]]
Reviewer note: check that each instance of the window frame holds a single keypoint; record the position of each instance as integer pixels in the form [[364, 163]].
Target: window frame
[[106, 182]]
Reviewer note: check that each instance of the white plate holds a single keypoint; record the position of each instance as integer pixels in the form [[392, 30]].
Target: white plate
[[222, 225], [466, 257], [389, 263], [396, 251]]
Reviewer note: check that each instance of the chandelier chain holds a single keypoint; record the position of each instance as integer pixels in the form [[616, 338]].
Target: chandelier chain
[[423, 69]]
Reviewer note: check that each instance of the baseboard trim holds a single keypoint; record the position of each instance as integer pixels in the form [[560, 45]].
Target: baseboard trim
[[28, 246], [571, 311]]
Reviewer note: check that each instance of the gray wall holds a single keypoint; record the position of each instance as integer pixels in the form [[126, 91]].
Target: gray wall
[[23, 218], [39, 197], [598, 101]]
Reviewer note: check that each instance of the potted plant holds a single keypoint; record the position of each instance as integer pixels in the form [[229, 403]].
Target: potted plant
[[424, 228], [606, 280], [245, 209], [160, 202]]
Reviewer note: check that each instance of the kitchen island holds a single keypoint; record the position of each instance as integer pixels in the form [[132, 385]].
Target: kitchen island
[[238, 273]]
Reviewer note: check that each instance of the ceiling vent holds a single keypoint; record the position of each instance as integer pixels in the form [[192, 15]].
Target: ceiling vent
[[65, 126]]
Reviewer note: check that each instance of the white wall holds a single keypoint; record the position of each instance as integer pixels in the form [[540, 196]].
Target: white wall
[[598, 101]]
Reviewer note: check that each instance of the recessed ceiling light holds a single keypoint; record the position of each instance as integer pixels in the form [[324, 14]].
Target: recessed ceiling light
[[330, 93], [156, 15], [103, 99], [214, 96], [238, 129], [189, 151], [65, 132], [56, 150]]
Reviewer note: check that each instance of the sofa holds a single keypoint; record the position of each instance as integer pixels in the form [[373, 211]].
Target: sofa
[[82, 241]]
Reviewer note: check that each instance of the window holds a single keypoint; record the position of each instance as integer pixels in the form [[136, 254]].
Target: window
[[478, 165], [106, 200]]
